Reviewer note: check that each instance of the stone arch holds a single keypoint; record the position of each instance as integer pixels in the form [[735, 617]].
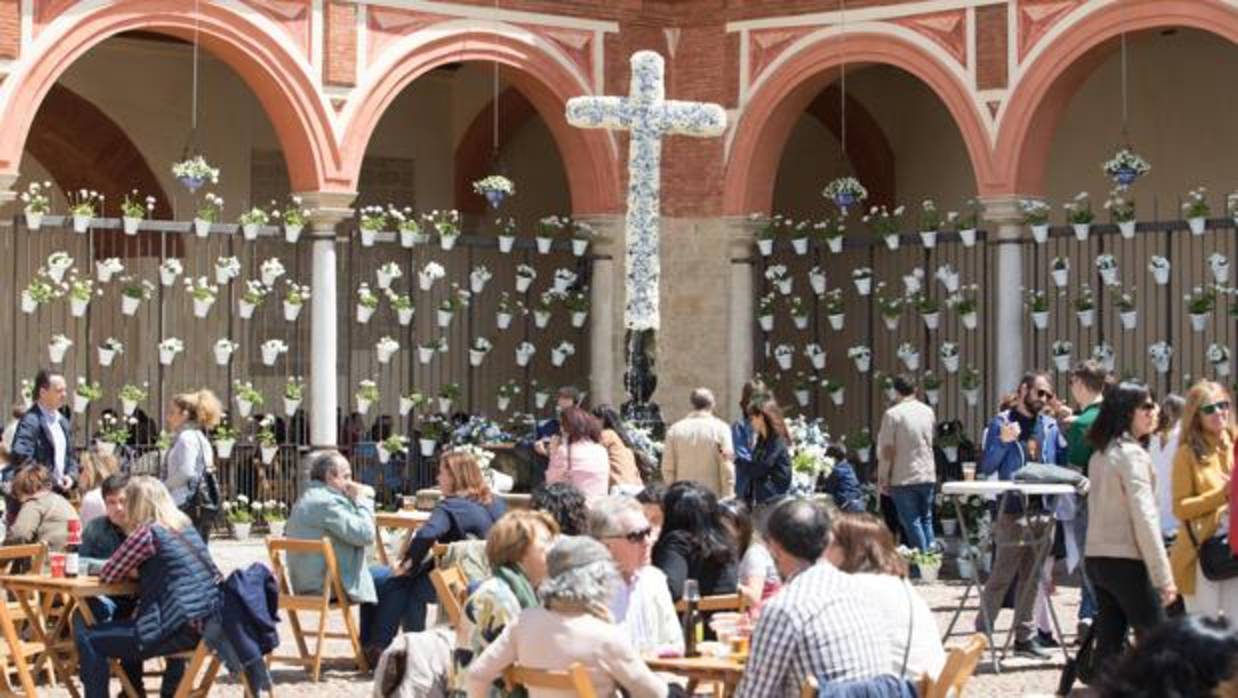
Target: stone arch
[[1058, 67], [526, 66], [785, 93], [474, 150], [281, 80], [868, 148]]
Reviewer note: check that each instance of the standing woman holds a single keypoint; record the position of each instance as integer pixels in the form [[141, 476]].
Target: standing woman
[[743, 439], [1201, 489], [189, 416], [769, 475], [1163, 446], [577, 457], [1124, 556]]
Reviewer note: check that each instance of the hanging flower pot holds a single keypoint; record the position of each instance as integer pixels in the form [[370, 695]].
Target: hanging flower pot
[[1082, 230], [404, 316], [128, 407], [928, 238], [931, 320], [270, 354], [1086, 317], [384, 278], [364, 313], [836, 397], [1124, 176], [268, 454], [81, 224], [384, 456], [1129, 318], [444, 405], [543, 244], [447, 242], [1040, 233], [223, 355], [800, 245], [1222, 369], [541, 318], [444, 318], [784, 361], [1061, 362], [56, 352], [540, 399], [247, 310], [292, 233], [836, 321], [969, 320], [801, 397], [104, 273], [406, 406], [223, 448], [1199, 321], [863, 363], [1109, 276], [784, 286], [368, 236], [363, 405], [291, 406], [476, 357], [506, 242], [1040, 319], [503, 320], [1161, 364], [801, 321], [106, 356], [765, 246], [950, 363], [892, 242], [1127, 229], [864, 453], [202, 306], [130, 224], [933, 396], [244, 407], [766, 322], [817, 281], [971, 396], [34, 220], [384, 354], [408, 238], [891, 322], [523, 357], [249, 231], [864, 286], [292, 311], [81, 402], [968, 237], [425, 354], [578, 319], [580, 246], [835, 244], [77, 306], [167, 356], [1197, 225], [557, 358], [503, 402], [912, 361], [427, 447], [28, 303], [495, 197], [129, 305]]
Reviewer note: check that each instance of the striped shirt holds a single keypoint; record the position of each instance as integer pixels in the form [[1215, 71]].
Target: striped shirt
[[820, 624]]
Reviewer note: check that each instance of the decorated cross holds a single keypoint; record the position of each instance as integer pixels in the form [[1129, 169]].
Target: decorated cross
[[648, 116]]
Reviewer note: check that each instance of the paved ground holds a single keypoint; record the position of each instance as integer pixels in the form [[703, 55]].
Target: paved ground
[[1019, 677]]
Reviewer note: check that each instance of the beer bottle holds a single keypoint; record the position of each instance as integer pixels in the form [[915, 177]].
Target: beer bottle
[[72, 561]]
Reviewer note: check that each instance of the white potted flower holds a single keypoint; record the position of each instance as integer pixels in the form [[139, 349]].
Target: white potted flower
[[800, 312], [1159, 266], [541, 395], [58, 263], [564, 278], [1079, 214], [862, 277], [777, 275], [783, 354], [431, 272], [1161, 354], [81, 291], [447, 308], [252, 221], [1062, 350], [577, 304], [929, 309], [913, 282], [477, 352], [223, 351], [547, 228], [930, 223], [1231, 206], [969, 384], [410, 402], [402, 303], [506, 309], [948, 276], [446, 395], [765, 311], [194, 172], [203, 293], [816, 279], [431, 432], [889, 307], [295, 219], [1085, 306], [816, 356], [208, 214], [367, 303], [1107, 267], [803, 388], [1218, 358], [294, 394], [85, 393], [447, 225], [1059, 269], [1036, 216], [134, 209], [1037, 302], [366, 395], [168, 349], [1122, 213], [829, 233], [83, 205], [40, 290], [36, 203], [386, 347], [1200, 303], [386, 273], [132, 293], [1124, 301], [506, 393], [525, 275], [295, 296], [227, 269], [969, 221], [271, 349], [862, 356], [909, 355], [582, 235], [426, 352], [57, 347], [1103, 353], [479, 277], [271, 269], [964, 303], [393, 445], [799, 238], [932, 388], [1219, 264], [560, 353], [225, 440], [862, 443], [408, 225], [835, 390], [766, 232], [885, 224], [949, 353], [372, 220], [1125, 167], [1195, 209], [169, 270], [542, 309], [113, 431], [130, 396], [524, 353], [105, 270], [265, 437], [834, 310], [109, 349], [251, 298], [507, 234]]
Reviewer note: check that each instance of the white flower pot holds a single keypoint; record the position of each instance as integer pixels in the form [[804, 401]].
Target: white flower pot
[[34, 220], [201, 227], [244, 407], [934, 396], [103, 274], [368, 236], [80, 403], [557, 358], [951, 363], [1040, 319], [968, 236], [800, 245], [1086, 317], [408, 239], [1222, 369], [427, 447], [971, 396], [384, 354], [503, 320], [1197, 225], [167, 278], [222, 276], [522, 358], [28, 303], [765, 247], [1127, 229], [1040, 233], [835, 244], [541, 318], [106, 356], [540, 400], [268, 454], [292, 233], [1160, 276], [56, 273], [291, 406], [818, 361], [269, 278], [969, 320], [424, 354], [201, 307], [269, 355], [766, 322], [837, 397], [818, 284], [384, 279], [406, 406], [579, 247], [444, 405], [506, 242], [384, 456], [56, 352], [503, 402], [444, 318], [892, 242], [912, 361], [1060, 277], [1199, 321], [928, 575], [891, 322], [247, 309], [801, 397], [864, 286], [801, 321], [364, 313], [425, 281], [1161, 364], [862, 363], [836, 320], [863, 453], [578, 319], [1129, 319], [784, 286], [523, 283], [250, 231], [950, 283], [240, 531], [1081, 231], [223, 448], [167, 356], [128, 407], [928, 238], [447, 242], [130, 225], [1061, 362], [784, 361], [1109, 277], [477, 285], [276, 528], [404, 316], [476, 357], [363, 405], [543, 244], [1107, 363], [561, 285], [129, 305], [81, 224], [931, 320], [77, 307], [1220, 272], [222, 356], [291, 311]]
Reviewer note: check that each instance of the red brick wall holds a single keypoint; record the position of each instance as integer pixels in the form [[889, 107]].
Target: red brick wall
[[991, 47], [340, 56], [10, 28]]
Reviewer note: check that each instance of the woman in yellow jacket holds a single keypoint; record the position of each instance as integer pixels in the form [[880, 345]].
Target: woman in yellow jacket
[[1201, 474]]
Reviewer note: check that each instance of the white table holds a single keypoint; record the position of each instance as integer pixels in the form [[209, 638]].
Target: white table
[[960, 490]]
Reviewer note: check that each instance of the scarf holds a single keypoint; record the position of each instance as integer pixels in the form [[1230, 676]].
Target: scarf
[[519, 584]]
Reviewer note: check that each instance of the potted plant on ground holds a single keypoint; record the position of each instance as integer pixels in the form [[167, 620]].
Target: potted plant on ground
[[1079, 215], [84, 394], [113, 431], [928, 562], [393, 445], [1200, 303], [247, 397], [372, 220], [1124, 301], [130, 396], [275, 514], [239, 516], [367, 394], [294, 393], [885, 224], [224, 439], [84, 205], [36, 203], [1036, 217], [1037, 303], [1122, 213], [1195, 209]]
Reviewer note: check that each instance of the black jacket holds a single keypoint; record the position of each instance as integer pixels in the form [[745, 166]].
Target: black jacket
[[769, 476], [679, 558]]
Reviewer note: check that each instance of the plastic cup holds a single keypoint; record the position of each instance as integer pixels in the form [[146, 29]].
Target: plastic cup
[[969, 471], [57, 563]]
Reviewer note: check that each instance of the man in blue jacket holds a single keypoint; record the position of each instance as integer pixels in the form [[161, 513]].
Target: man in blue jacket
[[1022, 434], [44, 435]]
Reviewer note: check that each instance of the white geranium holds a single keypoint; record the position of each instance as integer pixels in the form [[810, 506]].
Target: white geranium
[[172, 344]]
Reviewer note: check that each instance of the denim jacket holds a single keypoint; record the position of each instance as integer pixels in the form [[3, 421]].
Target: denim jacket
[[320, 512], [1005, 459]]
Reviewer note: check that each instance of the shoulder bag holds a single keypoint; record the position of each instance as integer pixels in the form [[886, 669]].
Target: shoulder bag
[[1215, 559], [202, 504]]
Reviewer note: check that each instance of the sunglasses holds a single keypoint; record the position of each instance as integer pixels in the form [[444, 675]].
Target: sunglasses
[[1044, 394], [636, 536], [1222, 406], [1148, 406]]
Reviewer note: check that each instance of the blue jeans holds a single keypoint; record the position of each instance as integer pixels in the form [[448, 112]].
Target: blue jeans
[[914, 504], [117, 639], [402, 601]]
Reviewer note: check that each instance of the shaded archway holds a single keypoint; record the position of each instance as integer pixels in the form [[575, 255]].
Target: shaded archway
[[784, 95], [281, 80], [868, 147], [473, 153], [1058, 68]]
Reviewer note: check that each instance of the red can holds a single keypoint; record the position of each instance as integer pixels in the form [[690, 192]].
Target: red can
[[57, 561]]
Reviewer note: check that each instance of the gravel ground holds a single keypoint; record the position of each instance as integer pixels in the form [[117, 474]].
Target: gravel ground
[[1019, 677]]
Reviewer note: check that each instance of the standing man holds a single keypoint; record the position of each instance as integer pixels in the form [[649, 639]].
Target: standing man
[[1019, 435], [44, 435], [1087, 385], [698, 447], [906, 468]]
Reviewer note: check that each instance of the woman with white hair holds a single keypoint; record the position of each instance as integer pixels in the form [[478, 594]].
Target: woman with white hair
[[573, 626]]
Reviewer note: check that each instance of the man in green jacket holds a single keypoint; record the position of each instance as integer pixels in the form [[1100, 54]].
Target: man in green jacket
[[1087, 385]]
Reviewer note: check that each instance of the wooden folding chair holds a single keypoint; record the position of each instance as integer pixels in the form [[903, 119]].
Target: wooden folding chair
[[960, 665], [576, 678], [808, 689], [711, 604], [452, 590], [332, 598], [16, 653]]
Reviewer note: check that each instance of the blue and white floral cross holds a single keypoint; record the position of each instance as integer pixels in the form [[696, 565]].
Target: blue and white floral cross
[[648, 116]]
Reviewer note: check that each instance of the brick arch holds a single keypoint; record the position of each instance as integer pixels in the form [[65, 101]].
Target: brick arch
[[765, 125], [281, 81], [867, 145], [474, 151], [589, 155], [1061, 65]]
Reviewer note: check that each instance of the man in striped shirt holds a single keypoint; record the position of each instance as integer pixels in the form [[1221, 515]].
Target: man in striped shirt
[[820, 623]]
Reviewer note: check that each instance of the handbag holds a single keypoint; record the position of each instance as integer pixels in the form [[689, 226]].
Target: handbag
[[1215, 559], [202, 504]]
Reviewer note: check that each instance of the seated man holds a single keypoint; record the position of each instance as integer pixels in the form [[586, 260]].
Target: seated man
[[642, 604]]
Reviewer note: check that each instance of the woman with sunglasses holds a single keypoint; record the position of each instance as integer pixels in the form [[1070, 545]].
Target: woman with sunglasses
[[1201, 477], [1124, 555]]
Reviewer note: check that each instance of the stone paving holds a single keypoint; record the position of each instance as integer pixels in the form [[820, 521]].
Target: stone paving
[[1019, 677]]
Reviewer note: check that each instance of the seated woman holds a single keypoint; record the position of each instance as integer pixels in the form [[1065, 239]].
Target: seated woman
[[467, 511], [44, 516], [96, 468], [694, 543], [573, 627], [862, 545], [842, 484], [576, 456], [566, 505], [624, 475], [177, 591], [757, 575], [516, 549]]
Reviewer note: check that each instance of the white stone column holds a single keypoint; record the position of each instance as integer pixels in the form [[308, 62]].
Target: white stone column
[[740, 316], [329, 208], [606, 311], [8, 196], [1006, 225]]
